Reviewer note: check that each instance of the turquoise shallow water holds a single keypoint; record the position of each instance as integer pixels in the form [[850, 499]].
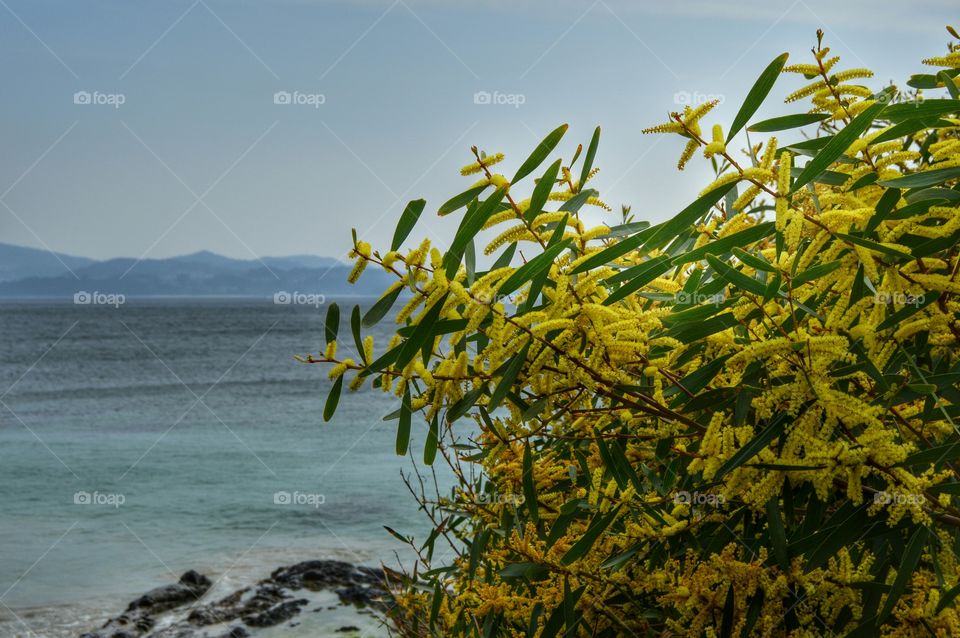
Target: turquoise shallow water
[[165, 435]]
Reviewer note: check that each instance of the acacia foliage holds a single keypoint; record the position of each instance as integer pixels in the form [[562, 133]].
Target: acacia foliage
[[741, 421]]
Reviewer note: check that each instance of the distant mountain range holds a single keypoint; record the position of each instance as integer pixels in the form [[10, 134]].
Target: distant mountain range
[[30, 272]]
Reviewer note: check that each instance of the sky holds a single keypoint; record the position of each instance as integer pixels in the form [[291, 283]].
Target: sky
[[250, 128]]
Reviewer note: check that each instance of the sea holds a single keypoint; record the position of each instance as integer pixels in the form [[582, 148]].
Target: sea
[[141, 438]]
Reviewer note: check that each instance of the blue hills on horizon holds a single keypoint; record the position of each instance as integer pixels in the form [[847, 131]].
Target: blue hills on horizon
[[30, 272]]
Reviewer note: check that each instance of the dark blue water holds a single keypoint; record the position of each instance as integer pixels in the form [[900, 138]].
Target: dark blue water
[[159, 436]]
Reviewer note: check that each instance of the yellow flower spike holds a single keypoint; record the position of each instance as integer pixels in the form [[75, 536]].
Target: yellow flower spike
[[783, 173], [717, 145], [769, 154], [499, 181], [476, 167], [357, 270], [331, 351], [693, 115], [688, 152], [340, 368]]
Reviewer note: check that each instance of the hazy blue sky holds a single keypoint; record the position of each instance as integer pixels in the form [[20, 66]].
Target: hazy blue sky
[[199, 156]]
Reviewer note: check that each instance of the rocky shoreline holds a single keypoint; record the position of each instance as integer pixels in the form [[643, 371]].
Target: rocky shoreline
[[180, 610]]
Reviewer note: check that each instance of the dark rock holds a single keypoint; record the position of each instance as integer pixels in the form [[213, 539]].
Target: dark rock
[[192, 587], [276, 614]]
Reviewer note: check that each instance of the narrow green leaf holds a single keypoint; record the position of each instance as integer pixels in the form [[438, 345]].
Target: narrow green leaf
[[357, 338], [920, 109], [787, 122], [728, 243], [757, 94], [470, 225], [778, 535], [379, 310], [408, 220], [837, 146], [667, 231], [588, 159], [540, 153], [430, 447], [542, 191], [459, 201], [752, 448], [598, 526], [923, 179], [403, 427], [816, 272], [735, 277], [421, 333], [530, 269], [911, 557], [509, 376], [618, 249], [333, 399], [332, 323]]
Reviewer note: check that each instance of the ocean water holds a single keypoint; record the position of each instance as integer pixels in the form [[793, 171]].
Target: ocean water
[[158, 436]]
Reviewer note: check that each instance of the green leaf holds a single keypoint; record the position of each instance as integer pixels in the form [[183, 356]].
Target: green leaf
[[787, 122], [920, 180], [735, 277], [530, 571], [421, 333], [668, 230], [874, 246], [459, 201], [333, 399], [949, 83], [636, 277], [727, 620], [430, 447], [379, 310], [728, 243], [470, 225], [541, 192], [756, 262], [598, 526], [837, 145], [911, 557], [816, 272], [778, 535], [403, 427], [332, 323], [529, 486], [757, 94], [540, 153], [407, 221], [509, 376], [530, 269], [933, 455], [922, 109], [588, 159], [357, 339], [618, 249], [752, 448]]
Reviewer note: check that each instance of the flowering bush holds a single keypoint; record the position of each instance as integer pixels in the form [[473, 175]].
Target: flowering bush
[[738, 422]]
